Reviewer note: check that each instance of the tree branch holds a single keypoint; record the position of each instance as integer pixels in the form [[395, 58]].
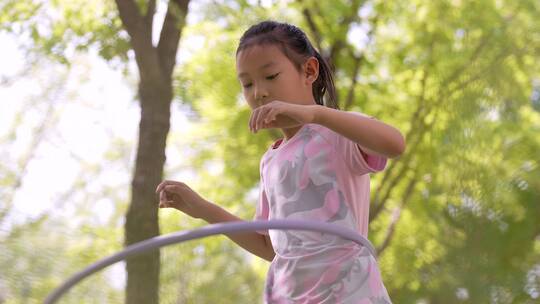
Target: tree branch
[[423, 129], [396, 215], [170, 35], [149, 17], [357, 64], [414, 136], [141, 38], [476, 53], [391, 185], [350, 94], [349, 18], [313, 27], [340, 44], [131, 19]]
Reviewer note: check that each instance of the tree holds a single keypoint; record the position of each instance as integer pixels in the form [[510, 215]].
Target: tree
[[155, 66]]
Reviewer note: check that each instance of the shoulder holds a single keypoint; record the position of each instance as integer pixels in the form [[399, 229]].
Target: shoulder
[[326, 133]]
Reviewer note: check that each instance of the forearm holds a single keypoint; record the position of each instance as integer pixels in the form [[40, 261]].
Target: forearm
[[253, 242], [371, 134]]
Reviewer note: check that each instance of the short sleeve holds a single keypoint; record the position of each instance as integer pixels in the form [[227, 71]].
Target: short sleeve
[[262, 209], [359, 161], [261, 212]]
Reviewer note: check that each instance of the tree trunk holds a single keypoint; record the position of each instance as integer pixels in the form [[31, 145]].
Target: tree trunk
[[141, 219], [156, 64]]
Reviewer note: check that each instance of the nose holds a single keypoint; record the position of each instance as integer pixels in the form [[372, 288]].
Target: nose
[[260, 93]]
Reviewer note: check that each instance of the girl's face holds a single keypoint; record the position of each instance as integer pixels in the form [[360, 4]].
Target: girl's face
[[266, 74]]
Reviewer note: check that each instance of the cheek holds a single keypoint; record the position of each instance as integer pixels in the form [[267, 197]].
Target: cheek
[[290, 87], [283, 83], [249, 99]]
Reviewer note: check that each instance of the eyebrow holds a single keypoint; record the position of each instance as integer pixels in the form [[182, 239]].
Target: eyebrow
[[264, 66]]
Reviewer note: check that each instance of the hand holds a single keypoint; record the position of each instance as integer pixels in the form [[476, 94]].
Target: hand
[[173, 194], [280, 114]]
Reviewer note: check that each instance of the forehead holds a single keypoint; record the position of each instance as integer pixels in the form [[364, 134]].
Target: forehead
[[258, 57]]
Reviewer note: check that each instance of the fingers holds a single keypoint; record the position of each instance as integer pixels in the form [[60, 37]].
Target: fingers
[[165, 187], [265, 119], [166, 183], [270, 116], [259, 117], [158, 188], [162, 200], [168, 190], [253, 120]]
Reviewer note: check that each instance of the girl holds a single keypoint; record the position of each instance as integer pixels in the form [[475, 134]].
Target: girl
[[318, 171]]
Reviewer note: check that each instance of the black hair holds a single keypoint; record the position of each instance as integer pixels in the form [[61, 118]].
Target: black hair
[[297, 47]]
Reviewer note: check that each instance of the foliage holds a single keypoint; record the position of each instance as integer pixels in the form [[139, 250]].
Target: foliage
[[455, 218]]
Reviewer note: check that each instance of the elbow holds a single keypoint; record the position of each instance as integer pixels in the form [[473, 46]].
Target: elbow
[[270, 258], [398, 147], [270, 253]]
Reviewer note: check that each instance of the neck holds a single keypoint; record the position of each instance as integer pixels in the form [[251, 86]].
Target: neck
[[290, 132]]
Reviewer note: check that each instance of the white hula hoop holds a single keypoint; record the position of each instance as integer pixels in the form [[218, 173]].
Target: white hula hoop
[[213, 229]]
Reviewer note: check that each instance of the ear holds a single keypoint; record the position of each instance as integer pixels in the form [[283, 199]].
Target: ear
[[311, 70]]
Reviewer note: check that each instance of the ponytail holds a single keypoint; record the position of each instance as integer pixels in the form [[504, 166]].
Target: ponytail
[[324, 84]]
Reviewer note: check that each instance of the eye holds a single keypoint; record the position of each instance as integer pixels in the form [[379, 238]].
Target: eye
[[272, 76], [247, 85]]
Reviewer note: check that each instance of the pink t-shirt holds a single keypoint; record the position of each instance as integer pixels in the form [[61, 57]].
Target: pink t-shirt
[[321, 175]]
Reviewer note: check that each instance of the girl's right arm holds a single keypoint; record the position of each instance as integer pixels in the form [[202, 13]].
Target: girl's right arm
[[178, 195], [258, 244]]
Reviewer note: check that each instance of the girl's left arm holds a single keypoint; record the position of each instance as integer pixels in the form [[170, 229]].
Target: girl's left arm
[[374, 136]]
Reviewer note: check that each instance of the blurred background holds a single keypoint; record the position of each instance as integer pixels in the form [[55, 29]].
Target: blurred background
[[100, 100]]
